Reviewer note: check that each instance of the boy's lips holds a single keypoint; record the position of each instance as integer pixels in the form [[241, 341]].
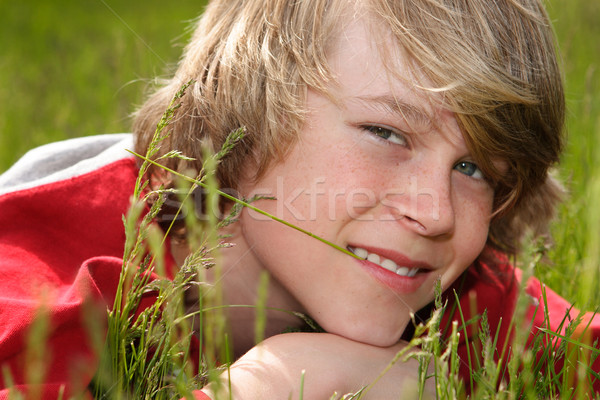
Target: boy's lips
[[392, 268]]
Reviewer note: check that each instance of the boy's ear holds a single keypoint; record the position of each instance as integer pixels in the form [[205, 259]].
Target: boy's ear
[[159, 177]]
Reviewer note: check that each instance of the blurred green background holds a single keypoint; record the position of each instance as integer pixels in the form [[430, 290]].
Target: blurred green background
[[70, 68]]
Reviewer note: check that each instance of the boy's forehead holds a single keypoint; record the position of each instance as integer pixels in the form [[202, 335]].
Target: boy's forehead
[[371, 68]]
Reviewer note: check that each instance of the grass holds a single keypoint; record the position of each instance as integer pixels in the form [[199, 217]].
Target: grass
[[575, 257], [71, 68], [74, 68]]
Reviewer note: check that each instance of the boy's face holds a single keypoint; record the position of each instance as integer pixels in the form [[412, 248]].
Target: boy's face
[[384, 173]]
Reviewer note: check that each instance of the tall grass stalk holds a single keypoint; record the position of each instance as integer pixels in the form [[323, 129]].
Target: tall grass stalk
[[37, 356], [146, 355]]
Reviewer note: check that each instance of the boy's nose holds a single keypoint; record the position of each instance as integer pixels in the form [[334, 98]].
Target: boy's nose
[[426, 205]]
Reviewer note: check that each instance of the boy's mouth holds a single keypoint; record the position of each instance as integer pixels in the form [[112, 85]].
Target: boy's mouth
[[400, 269]]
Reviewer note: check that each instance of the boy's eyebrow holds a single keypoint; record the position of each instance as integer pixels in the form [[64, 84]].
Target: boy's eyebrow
[[393, 105]]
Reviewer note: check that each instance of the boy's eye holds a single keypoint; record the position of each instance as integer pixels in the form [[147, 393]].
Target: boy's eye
[[469, 169], [387, 134]]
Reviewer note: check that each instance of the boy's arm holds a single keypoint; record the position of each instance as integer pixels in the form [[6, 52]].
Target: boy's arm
[[46, 346], [61, 248], [330, 364]]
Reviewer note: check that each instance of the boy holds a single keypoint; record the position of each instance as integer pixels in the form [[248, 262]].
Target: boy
[[428, 130], [418, 136]]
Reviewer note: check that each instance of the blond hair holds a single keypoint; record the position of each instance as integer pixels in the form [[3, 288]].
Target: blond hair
[[494, 62]]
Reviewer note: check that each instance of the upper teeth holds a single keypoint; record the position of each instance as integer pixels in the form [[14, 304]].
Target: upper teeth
[[384, 262]]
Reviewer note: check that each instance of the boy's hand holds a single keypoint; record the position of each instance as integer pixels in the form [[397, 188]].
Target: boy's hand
[[273, 370]]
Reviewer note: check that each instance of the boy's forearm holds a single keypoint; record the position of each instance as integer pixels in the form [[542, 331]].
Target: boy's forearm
[[274, 369], [315, 365]]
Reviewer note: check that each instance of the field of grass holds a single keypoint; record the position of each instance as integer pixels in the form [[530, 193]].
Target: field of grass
[[575, 268], [71, 68]]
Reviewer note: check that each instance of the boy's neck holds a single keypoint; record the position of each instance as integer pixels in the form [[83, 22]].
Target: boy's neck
[[240, 277]]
